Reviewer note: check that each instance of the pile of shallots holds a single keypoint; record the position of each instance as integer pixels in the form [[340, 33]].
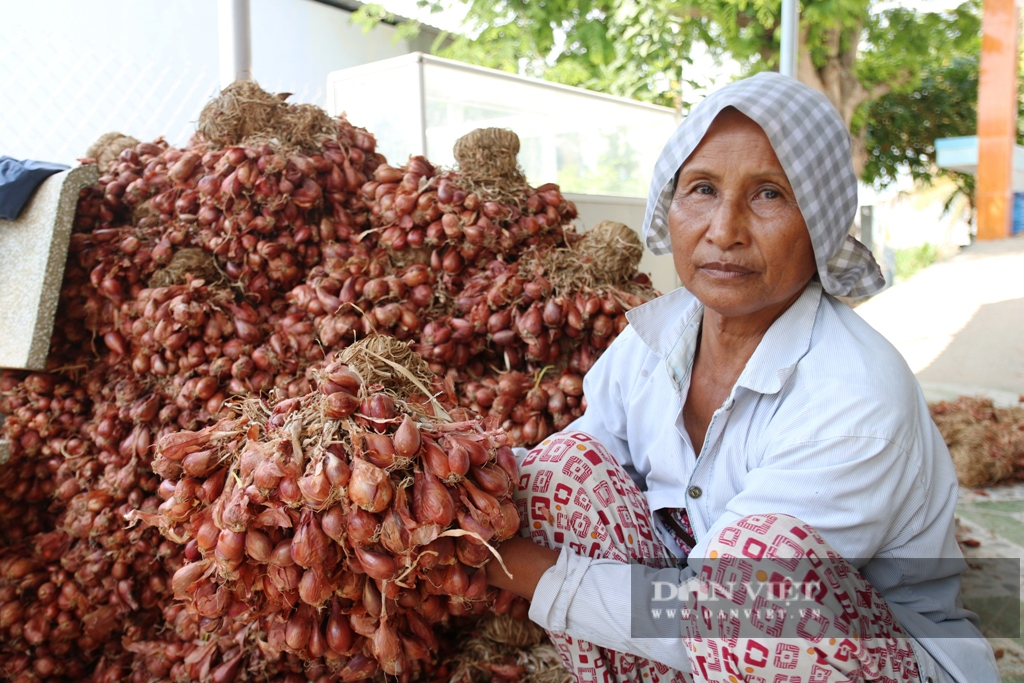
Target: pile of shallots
[[173, 301], [201, 277], [346, 524], [986, 441], [468, 276], [542, 342], [417, 207]]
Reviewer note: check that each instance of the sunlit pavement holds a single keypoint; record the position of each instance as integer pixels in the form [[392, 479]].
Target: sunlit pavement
[[960, 323]]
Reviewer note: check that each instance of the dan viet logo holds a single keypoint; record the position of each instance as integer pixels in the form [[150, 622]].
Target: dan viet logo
[[738, 592], [805, 597], [772, 605]]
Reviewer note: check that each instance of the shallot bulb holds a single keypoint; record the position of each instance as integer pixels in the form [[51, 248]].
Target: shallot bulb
[[362, 527], [387, 649], [309, 546], [258, 546], [314, 589], [340, 405], [187, 576], [431, 502], [369, 487], [407, 439], [337, 470], [339, 633], [334, 523], [378, 449], [299, 627], [315, 488], [376, 565], [435, 460]]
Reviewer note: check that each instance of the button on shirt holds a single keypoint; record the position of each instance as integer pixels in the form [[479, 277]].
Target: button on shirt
[[825, 423]]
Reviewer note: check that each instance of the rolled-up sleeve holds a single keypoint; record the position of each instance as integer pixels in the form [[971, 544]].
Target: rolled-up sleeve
[[603, 614]]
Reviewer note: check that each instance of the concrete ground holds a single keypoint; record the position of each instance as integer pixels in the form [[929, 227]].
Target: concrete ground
[[993, 587], [960, 322], [960, 326]]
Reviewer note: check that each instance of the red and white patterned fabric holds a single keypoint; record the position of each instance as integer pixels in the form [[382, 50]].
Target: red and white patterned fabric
[[574, 494], [683, 520]]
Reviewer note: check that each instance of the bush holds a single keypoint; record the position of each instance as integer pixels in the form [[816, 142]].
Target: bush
[[913, 259]]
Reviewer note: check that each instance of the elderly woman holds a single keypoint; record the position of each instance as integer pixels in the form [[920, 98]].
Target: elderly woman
[[764, 423]]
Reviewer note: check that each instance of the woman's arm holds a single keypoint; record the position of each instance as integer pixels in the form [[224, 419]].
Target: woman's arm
[[608, 590], [526, 561]]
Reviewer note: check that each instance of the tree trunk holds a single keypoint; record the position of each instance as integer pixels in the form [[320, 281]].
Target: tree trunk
[[837, 80]]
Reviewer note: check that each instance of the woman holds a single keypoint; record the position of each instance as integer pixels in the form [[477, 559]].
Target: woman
[[764, 423]]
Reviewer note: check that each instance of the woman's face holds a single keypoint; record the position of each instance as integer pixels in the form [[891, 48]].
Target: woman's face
[[739, 241]]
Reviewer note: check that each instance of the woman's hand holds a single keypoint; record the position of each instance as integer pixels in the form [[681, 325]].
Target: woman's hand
[[527, 562]]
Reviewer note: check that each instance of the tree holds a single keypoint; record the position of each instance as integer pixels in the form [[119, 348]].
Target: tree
[[905, 48], [613, 46], [900, 140], [640, 48]]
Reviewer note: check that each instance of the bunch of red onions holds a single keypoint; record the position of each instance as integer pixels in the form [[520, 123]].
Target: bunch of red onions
[[545, 342], [307, 252], [130, 362], [43, 415], [451, 277], [346, 523], [62, 606], [416, 207]]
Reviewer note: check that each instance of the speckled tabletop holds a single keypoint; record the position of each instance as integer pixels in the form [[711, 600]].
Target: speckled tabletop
[[33, 250]]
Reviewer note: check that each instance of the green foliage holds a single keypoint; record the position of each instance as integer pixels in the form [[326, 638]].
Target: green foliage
[[909, 261], [624, 48], [368, 16], [902, 140], [903, 125], [902, 45], [640, 48], [900, 77]]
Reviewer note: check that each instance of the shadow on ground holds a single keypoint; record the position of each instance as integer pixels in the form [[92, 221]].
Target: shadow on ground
[[987, 352]]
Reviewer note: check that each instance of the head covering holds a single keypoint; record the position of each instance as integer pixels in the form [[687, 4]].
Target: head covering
[[812, 145]]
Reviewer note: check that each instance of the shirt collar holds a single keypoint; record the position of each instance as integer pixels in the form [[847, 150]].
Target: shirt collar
[[662, 322]]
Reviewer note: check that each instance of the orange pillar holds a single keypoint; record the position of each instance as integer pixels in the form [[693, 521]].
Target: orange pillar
[[997, 119]]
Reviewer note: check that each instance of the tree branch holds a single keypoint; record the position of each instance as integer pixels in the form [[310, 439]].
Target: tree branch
[[880, 90], [806, 71]]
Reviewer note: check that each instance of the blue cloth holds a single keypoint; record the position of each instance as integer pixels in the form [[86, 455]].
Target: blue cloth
[[19, 179], [1018, 213]]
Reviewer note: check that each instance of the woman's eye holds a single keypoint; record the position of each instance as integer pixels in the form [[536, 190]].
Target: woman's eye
[[770, 194], [705, 189]]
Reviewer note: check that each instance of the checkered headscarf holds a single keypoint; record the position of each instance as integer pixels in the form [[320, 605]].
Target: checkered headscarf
[[812, 145]]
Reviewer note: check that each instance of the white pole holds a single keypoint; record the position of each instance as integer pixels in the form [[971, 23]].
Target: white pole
[[235, 43], [790, 37]]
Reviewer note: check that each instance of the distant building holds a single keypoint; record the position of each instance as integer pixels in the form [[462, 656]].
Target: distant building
[[74, 70]]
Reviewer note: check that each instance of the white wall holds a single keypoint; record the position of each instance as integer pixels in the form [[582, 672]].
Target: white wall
[[71, 70], [296, 43]]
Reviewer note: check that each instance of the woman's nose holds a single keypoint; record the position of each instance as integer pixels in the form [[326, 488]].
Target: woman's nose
[[729, 225]]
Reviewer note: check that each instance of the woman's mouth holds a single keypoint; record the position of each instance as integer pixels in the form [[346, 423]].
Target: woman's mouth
[[721, 270]]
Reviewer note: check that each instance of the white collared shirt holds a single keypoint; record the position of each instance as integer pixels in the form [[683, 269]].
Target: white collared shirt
[[825, 423]]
